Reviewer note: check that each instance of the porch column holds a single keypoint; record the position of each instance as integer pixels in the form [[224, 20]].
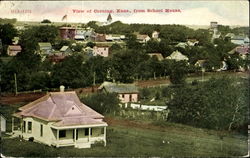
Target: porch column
[[12, 125], [57, 137], [89, 134], [104, 136], [75, 136]]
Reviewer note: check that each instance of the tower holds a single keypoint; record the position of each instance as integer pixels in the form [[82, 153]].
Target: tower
[[109, 19]]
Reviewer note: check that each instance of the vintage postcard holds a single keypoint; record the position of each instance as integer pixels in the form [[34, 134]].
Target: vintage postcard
[[124, 78]]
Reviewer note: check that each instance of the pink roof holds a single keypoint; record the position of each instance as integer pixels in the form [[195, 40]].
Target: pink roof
[[142, 37], [64, 107]]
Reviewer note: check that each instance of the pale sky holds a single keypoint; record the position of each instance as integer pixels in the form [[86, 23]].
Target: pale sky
[[192, 12]]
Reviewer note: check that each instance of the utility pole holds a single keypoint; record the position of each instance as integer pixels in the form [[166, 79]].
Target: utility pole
[[15, 83], [94, 79]]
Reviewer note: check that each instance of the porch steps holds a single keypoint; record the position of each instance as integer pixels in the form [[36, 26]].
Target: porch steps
[[82, 145]]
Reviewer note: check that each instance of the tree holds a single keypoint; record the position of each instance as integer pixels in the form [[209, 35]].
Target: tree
[[90, 44], [46, 21], [71, 72], [178, 72], [103, 103], [7, 33], [214, 104], [145, 93]]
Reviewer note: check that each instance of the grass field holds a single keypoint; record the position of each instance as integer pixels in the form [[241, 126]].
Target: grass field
[[134, 141]]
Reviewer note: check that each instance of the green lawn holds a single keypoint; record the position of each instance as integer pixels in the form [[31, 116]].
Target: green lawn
[[124, 141]]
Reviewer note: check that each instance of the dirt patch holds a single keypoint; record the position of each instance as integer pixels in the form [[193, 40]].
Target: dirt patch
[[13, 99]]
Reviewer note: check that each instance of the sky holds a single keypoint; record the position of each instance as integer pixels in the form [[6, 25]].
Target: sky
[[190, 12]]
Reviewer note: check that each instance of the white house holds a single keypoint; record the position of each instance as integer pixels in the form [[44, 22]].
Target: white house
[[60, 119], [178, 56], [143, 38], [155, 35], [2, 123]]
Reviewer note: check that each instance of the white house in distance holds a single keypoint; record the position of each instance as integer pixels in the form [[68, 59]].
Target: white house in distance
[[155, 35], [143, 38], [60, 119], [101, 50], [178, 56], [2, 123], [126, 92]]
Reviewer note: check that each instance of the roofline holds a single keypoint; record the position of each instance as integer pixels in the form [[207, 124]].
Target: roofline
[[34, 102], [104, 124]]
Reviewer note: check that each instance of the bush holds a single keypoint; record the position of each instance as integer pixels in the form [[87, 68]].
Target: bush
[[145, 93]]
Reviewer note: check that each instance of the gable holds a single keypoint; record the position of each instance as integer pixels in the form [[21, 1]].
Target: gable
[[74, 110]]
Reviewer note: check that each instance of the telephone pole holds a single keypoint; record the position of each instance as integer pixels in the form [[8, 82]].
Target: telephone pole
[[15, 83]]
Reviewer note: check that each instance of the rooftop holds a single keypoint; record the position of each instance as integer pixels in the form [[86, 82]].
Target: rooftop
[[119, 87], [63, 107]]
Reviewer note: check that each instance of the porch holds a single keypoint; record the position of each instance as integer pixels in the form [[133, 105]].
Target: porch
[[79, 137]]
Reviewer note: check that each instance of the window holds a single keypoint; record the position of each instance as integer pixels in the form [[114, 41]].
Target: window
[[29, 127], [87, 131], [41, 130], [102, 131], [122, 95], [24, 126], [62, 133], [130, 97]]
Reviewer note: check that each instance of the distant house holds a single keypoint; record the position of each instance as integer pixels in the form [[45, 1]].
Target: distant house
[[89, 51], [143, 38], [178, 56], [67, 32], [13, 50], [182, 45], [45, 47], [157, 55], [126, 92], [56, 57], [213, 24], [192, 42], [101, 50], [240, 40], [65, 50], [2, 123], [80, 34], [200, 63], [242, 50], [155, 35], [99, 37], [60, 119], [114, 37]]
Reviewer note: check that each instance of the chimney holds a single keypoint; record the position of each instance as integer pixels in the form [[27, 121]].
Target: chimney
[[62, 88]]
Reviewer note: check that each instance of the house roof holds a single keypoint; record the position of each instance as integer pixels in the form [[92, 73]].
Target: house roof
[[158, 55], [118, 87], [44, 44], [142, 37], [64, 48], [176, 55], [64, 107], [15, 48]]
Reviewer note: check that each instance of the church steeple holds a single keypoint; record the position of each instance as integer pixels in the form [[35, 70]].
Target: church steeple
[[109, 19]]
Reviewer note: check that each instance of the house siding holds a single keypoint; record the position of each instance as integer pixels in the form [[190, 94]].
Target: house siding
[[131, 97]]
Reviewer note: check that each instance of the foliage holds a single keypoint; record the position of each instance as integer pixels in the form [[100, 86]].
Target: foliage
[[46, 21], [90, 44], [103, 103], [7, 33], [178, 72], [145, 93], [211, 104]]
